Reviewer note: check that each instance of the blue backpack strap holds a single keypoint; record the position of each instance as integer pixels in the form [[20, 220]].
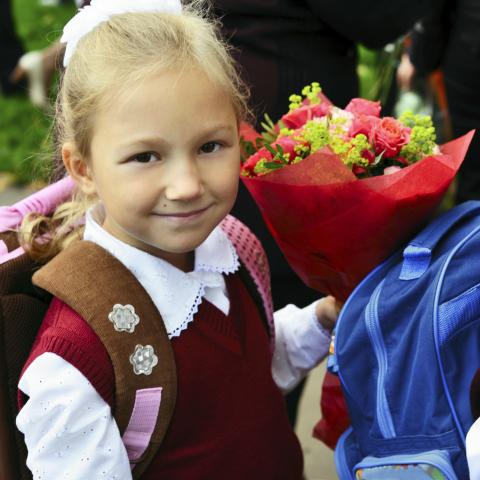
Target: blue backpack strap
[[417, 254]]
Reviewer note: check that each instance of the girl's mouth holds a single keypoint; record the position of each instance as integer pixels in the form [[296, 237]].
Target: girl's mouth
[[193, 214]]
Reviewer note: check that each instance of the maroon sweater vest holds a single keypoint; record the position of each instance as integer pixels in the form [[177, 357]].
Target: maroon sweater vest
[[229, 419]]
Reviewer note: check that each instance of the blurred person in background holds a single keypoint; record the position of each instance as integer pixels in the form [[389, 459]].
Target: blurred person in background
[[449, 39], [21, 72], [37, 69], [283, 45]]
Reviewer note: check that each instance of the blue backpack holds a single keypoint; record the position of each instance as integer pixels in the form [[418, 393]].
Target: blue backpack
[[406, 349]]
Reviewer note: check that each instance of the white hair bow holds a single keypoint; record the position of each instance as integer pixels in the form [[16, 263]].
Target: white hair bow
[[100, 11]]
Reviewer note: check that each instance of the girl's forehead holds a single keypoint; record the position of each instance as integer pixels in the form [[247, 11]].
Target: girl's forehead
[[184, 86], [176, 106]]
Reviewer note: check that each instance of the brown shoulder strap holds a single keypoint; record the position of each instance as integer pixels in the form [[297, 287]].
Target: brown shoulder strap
[[92, 282]]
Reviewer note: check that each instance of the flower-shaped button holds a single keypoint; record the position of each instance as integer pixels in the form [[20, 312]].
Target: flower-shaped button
[[143, 359], [124, 318]]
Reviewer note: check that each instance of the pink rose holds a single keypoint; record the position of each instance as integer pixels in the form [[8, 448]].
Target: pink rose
[[360, 106], [248, 132], [288, 146], [389, 136], [363, 124], [251, 161], [303, 114]]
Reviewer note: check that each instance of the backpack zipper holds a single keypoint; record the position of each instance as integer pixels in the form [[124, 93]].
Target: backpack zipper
[[340, 458], [372, 324], [332, 359], [436, 326]]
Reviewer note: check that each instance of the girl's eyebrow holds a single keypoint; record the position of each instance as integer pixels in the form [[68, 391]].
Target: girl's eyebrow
[[217, 128], [214, 130], [149, 140]]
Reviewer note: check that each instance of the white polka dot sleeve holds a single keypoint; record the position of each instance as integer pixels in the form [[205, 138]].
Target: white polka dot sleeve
[[300, 344], [69, 429]]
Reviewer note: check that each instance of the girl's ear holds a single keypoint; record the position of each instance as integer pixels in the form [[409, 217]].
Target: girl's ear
[[78, 169]]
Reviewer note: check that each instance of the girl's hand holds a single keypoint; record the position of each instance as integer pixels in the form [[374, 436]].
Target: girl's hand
[[327, 311]]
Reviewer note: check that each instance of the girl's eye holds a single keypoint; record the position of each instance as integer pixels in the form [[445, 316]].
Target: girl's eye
[[145, 157], [210, 147]]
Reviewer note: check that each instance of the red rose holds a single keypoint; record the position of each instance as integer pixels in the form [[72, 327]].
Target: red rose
[[251, 161], [303, 114], [360, 106], [402, 160], [288, 146], [363, 124], [389, 136], [368, 155], [358, 170]]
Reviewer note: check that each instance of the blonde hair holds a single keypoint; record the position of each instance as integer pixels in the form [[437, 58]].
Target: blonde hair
[[116, 55]]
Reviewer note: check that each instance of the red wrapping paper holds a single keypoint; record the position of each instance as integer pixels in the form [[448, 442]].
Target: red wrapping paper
[[333, 228], [334, 412]]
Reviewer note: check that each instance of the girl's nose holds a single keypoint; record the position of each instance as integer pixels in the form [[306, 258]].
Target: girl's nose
[[184, 183]]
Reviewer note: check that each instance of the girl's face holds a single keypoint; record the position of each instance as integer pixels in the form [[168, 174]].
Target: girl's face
[[165, 163]]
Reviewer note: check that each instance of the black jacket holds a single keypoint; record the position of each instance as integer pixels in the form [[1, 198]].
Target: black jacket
[[283, 45]]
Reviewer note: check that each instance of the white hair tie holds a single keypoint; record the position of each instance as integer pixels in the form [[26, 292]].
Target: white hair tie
[[100, 11]]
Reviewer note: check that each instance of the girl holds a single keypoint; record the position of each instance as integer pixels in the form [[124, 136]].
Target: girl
[[147, 123]]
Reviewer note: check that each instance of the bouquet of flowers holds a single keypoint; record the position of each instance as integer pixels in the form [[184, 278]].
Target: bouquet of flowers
[[341, 189]]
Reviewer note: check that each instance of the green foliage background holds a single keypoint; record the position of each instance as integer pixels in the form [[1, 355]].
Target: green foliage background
[[23, 127]]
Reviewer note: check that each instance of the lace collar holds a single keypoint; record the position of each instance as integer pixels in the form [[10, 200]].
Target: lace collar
[[176, 294]]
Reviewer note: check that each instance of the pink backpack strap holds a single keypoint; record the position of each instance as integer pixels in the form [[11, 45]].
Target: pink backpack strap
[[253, 257], [43, 202]]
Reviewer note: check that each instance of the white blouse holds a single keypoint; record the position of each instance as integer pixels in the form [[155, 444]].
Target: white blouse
[[473, 450], [69, 430]]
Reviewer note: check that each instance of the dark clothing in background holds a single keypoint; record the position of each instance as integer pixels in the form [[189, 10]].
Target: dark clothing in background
[[449, 39], [10, 48], [286, 44], [283, 45]]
